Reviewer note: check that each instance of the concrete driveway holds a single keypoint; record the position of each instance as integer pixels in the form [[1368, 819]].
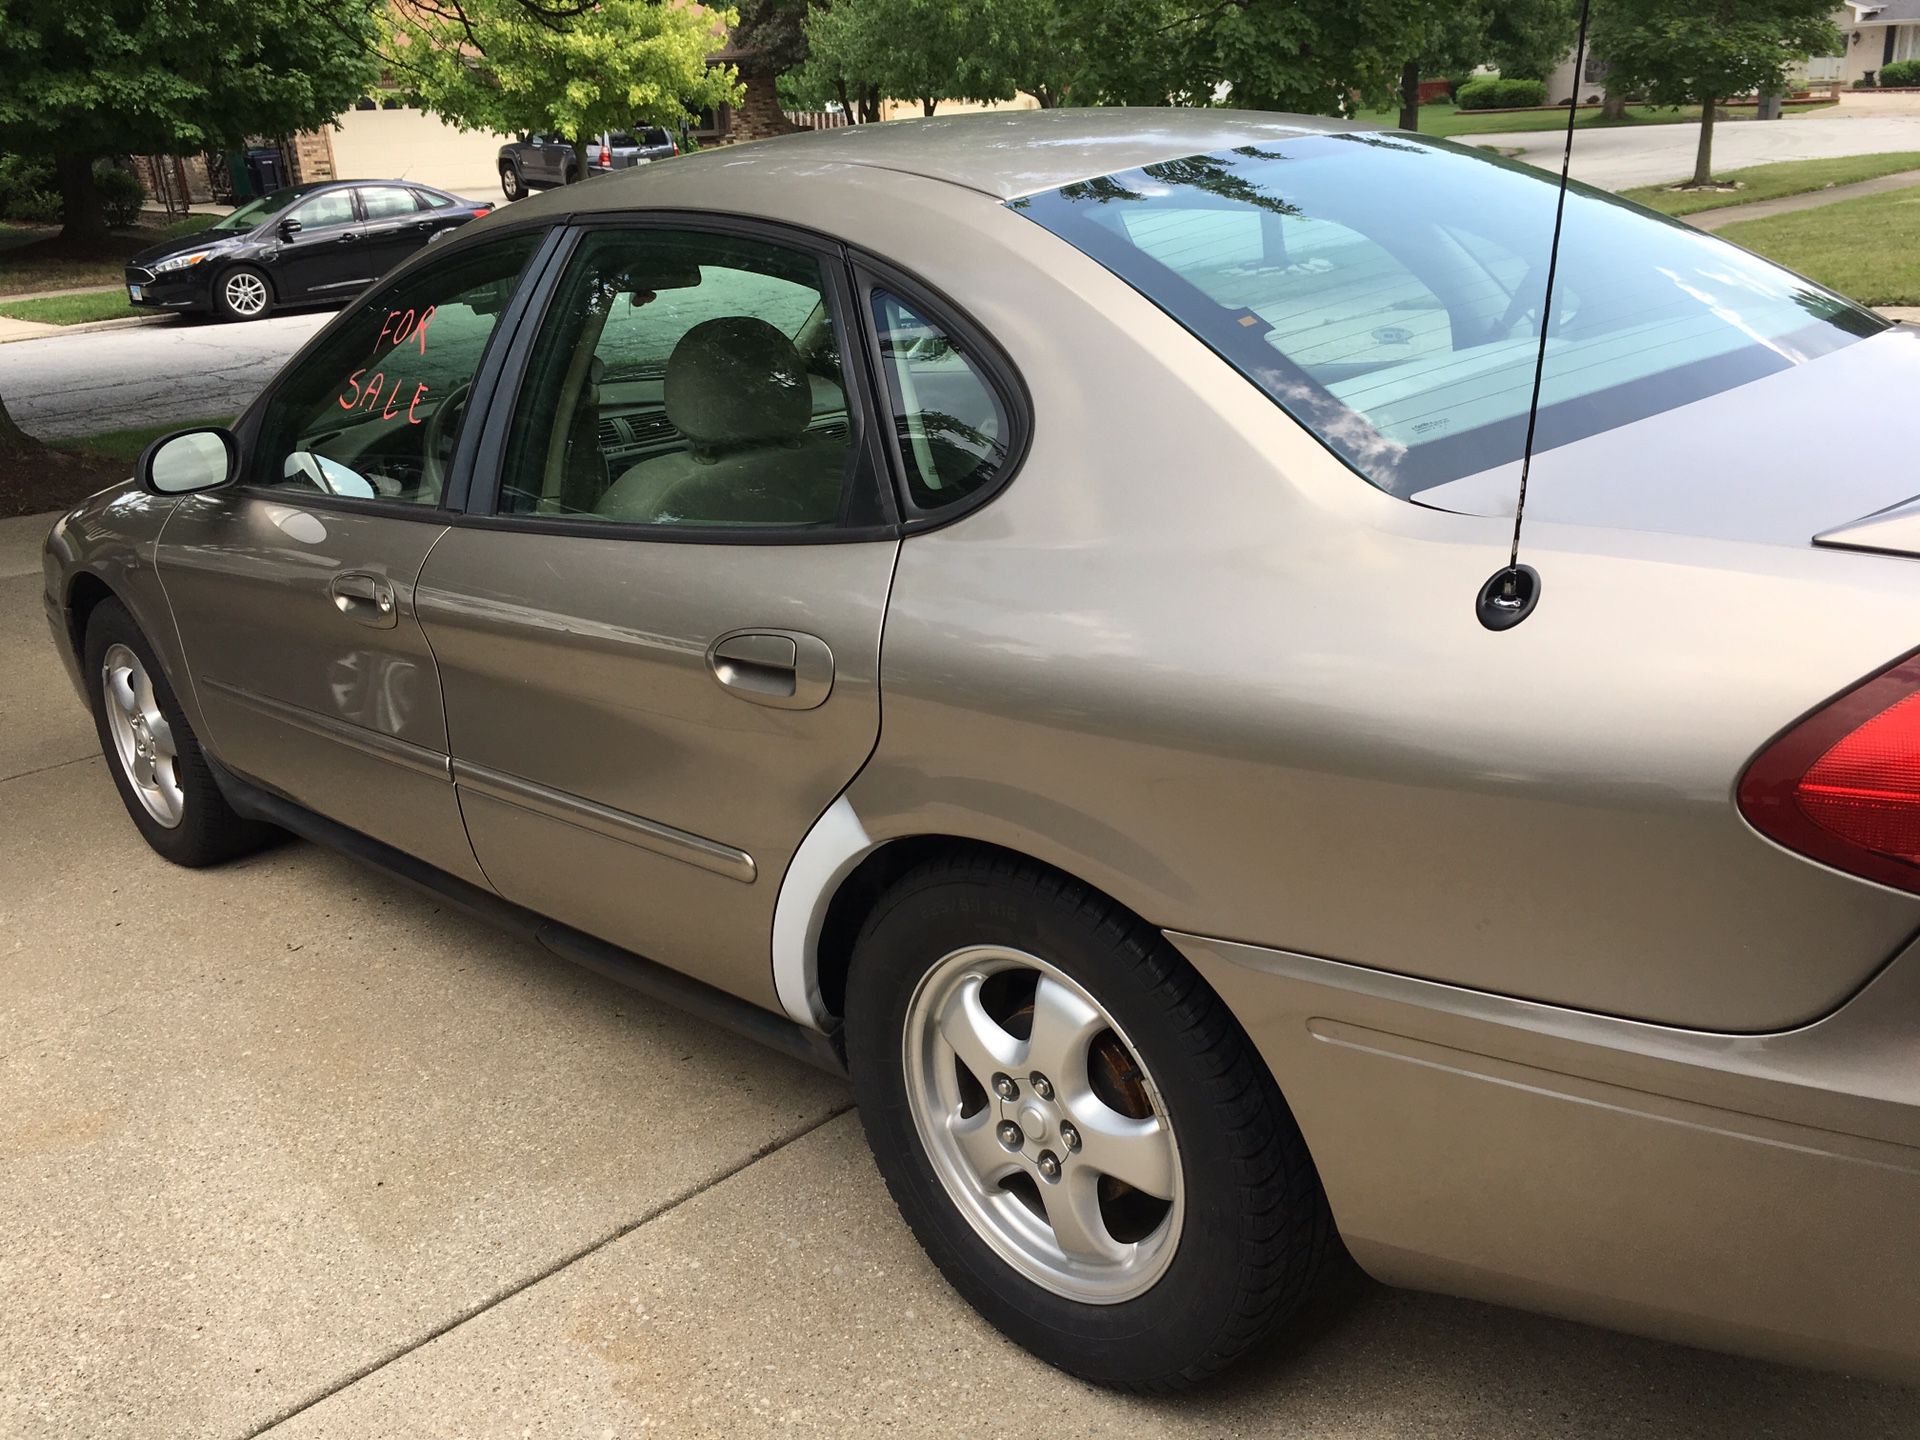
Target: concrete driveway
[[1628, 155], [288, 1147]]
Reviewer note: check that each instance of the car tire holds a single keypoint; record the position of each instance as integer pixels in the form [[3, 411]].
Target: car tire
[[511, 185], [1139, 1291], [152, 753], [243, 293]]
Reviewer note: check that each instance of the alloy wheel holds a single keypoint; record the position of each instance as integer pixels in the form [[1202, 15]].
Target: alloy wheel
[[142, 739], [1043, 1125], [245, 293]]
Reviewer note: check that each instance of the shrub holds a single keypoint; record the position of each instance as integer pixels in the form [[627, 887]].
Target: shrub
[[1441, 96], [121, 194], [27, 190], [1494, 93], [1900, 74], [1865, 82]]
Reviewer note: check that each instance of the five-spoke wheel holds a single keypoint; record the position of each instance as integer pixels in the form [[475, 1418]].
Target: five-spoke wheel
[[142, 738]]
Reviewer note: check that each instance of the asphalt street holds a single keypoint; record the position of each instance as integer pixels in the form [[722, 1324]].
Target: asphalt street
[[287, 1147], [1623, 156], [180, 368]]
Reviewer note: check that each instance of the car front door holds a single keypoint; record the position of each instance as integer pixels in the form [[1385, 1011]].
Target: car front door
[[293, 589], [660, 648], [321, 251]]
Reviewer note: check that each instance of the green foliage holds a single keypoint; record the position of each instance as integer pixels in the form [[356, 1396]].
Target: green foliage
[[1679, 52], [117, 77], [1497, 93], [27, 190], [864, 43], [776, 30], [1526, 39], [1900, 74], [510, 66], [121, 193]]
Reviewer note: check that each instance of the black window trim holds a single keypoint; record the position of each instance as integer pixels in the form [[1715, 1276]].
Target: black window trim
[[991, 362], [872, 467], [453, 495]]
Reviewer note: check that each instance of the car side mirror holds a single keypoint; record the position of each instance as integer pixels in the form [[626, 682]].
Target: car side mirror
[[188, 461], [289, 227]]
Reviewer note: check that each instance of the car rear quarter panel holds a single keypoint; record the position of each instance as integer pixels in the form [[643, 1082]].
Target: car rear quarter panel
[[1191, 658]]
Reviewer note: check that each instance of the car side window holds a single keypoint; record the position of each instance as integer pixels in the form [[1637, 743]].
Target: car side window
[[950, 424], [333, 208], [385, 202], [374, 411], [684, 379]]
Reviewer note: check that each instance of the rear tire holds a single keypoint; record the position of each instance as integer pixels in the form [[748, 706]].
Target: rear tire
[[1128, 1287], [243, 293], [152, 752]]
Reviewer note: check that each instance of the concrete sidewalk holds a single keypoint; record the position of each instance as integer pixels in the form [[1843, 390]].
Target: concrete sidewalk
[[1812, 200]]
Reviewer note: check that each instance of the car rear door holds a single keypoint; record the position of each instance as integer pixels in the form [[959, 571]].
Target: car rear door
[[395, 225], [293, 589], [659, 646]]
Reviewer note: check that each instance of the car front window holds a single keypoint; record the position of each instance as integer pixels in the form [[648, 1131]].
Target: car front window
[[1386, 291], [254, 211]]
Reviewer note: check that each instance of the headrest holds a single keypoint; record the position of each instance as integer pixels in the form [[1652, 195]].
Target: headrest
[[737, 381]]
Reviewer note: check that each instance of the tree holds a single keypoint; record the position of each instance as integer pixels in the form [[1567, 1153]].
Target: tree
[[1681, 52], [925, 50], [575, 68], [83, 82], [1527, 39], [1448, 37], [1307, 56]]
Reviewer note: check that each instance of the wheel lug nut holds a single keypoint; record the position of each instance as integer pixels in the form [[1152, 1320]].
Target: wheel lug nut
[[1069, 1136], [1049, 1164], [1010, 1135], [1042, 1086], [1004, 1087]]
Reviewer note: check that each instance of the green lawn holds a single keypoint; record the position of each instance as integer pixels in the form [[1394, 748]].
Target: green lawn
[[33, 258], [127, 444], [1867, 248], [1770, 182], [78, 309], [1451, 120]]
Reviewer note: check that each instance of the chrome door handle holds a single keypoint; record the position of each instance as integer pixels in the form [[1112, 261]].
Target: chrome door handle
[[365, 597], [786, 669]]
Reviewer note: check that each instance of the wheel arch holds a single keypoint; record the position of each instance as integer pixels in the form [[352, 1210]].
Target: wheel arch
[[85, 591]]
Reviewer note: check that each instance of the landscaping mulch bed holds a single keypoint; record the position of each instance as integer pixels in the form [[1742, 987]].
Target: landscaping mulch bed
[[51, 479]]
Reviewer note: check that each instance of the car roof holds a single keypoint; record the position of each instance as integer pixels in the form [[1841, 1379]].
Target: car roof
[[1002, 153]]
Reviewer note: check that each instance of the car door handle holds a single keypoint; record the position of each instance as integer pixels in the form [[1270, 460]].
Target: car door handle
[[349, 237], [786, 669], [364, 597]]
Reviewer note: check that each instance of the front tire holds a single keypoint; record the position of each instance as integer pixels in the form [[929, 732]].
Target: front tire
[[511, 185], [243, 293], [1075, 1127], [155, 758]]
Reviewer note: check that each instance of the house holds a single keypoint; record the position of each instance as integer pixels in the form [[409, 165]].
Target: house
[[1877, 33]]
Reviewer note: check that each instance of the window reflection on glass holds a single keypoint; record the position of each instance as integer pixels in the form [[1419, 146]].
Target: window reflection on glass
[[374, 413], [951, 427]]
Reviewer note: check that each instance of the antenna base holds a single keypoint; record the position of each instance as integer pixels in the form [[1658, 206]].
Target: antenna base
[[1508, 597]]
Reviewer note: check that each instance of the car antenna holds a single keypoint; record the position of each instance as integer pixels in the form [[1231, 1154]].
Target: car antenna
[[1510, 594]]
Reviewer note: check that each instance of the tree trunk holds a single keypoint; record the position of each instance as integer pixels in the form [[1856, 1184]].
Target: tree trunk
[[13, 440], [1703, 159], [927, 105], [579, 170], [870, 105], [1043, 95], [83, 217], [1614, 107], [1410, 95], [846, 108]]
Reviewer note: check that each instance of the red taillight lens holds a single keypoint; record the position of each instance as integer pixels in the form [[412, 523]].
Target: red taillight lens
[[480, 212], [1843, 785]]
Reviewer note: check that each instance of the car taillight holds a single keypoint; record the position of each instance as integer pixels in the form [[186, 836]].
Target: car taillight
[[1842, 786], [606, 157], [481, 211]]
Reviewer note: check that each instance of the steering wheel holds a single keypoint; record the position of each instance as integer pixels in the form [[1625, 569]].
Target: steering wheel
[[437, 443]]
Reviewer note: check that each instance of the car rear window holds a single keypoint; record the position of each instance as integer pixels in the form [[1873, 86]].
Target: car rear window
[[1386, 291]]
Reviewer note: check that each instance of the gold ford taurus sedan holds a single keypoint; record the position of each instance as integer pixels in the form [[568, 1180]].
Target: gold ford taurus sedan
[[990, 603]]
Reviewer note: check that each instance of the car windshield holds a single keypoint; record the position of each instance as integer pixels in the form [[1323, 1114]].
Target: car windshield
[[254, 211], [1386, 291]]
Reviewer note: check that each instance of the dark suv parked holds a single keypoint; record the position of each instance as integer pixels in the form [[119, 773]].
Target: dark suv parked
[[536, 162], [306, 245]]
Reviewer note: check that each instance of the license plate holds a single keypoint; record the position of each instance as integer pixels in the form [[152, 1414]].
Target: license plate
[[133, 292]]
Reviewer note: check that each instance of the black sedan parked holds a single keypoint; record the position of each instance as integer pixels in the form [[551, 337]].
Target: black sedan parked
[[307, 245]]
